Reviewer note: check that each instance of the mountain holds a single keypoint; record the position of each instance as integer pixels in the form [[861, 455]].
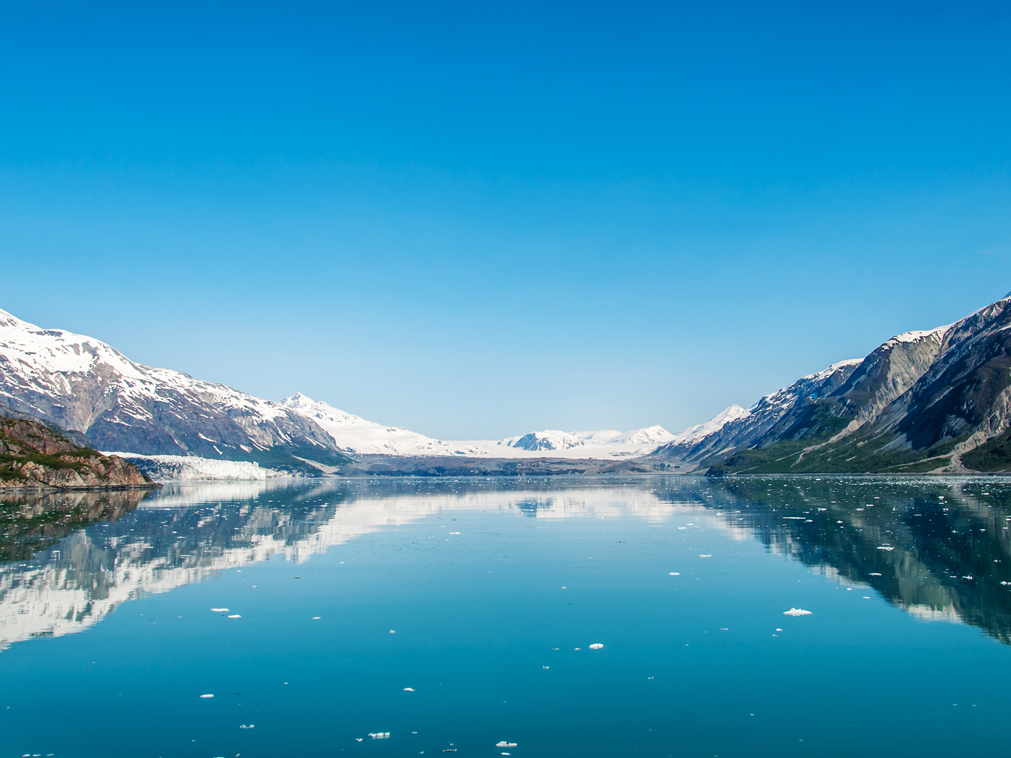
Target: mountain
[[937, 400], [33, 456], [354, 435], [86, 386]]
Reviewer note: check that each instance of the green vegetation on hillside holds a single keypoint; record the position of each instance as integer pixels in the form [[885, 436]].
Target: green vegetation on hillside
[[993, 455], [865, 451]]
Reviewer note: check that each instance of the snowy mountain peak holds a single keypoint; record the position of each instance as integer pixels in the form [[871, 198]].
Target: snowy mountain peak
[[83, 384], [717, 422], [8, 321]]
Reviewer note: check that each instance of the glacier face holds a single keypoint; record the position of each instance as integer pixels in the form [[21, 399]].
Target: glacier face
[[85, 385]]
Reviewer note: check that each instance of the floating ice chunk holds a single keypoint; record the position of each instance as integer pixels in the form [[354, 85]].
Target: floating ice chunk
[[392, 632], [379, 735], [408, 689], [596, 646], [505, 743], [886, 547], [778, 629], [454, 532], [219, 610], [705, 556], [315, 618], [235, 616], [207, 696], [545, 667], [796, 612], [875, 573], [674, 573]]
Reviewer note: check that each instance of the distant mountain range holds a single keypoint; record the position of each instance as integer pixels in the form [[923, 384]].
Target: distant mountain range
[[357, 436], [937, 400], [84, 385]]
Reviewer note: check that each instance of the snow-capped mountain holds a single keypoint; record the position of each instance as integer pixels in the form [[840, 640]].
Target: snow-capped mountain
[[934, 400], [717, 422], [355, 435], [84, 385]]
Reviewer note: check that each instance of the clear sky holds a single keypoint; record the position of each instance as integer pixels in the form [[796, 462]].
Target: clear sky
[[479, 219]]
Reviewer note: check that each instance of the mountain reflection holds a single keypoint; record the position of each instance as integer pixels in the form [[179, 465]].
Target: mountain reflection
[[937, 548]]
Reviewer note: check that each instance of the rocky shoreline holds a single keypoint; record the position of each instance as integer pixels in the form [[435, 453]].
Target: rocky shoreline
[[34, 456]]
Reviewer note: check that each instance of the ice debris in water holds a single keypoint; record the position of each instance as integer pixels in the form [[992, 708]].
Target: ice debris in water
[[247, 726], [379, 735], [504, 743], [796, 612], [235, 616], [392, 632], [886, 547], [207, 696], [219, 610], [408, 689], [596, 646]]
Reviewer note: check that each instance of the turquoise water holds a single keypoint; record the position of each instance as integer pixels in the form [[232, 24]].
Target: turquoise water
[[483, 599]]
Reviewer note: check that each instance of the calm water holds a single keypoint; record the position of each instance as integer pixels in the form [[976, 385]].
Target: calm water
[[457, 615]]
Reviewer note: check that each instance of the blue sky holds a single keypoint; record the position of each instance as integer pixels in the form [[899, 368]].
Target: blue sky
[[479, 219]]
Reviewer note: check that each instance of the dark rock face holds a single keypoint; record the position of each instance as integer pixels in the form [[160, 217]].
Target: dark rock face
[[84, 385], [34, 456], [923, 401]]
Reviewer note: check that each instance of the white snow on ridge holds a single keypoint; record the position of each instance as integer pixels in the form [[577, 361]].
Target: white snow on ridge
[[355, 435], [50, 360], [916, 336], [717, 422]]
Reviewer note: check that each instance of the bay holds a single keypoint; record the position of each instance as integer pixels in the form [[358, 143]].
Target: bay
[[458, 615]]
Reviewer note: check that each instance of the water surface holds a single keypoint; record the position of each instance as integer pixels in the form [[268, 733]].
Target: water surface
[[456, 615]]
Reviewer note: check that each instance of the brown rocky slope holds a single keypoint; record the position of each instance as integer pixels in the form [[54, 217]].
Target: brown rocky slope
[[33, 456]]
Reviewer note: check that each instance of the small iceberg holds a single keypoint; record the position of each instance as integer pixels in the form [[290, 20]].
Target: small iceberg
[[796, 612], [596, 646]]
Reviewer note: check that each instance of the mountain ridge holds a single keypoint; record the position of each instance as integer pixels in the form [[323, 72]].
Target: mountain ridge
[[84, 385], [937, 400]]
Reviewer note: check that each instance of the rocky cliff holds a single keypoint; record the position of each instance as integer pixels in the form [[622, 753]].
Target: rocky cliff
[[33, 456]]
